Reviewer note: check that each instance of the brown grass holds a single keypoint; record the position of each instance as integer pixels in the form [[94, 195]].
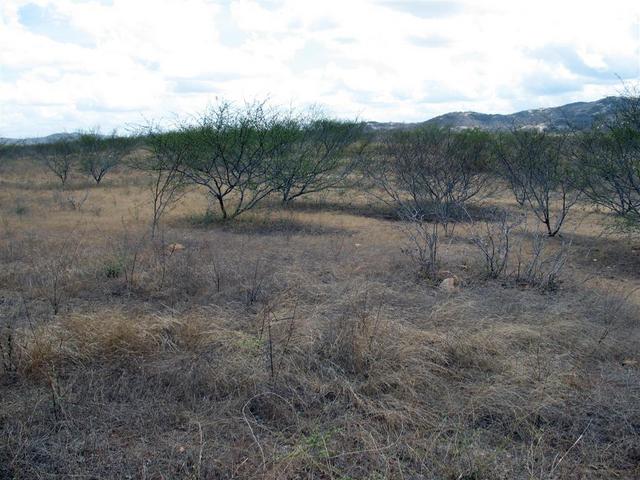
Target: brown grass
[[299, 343]]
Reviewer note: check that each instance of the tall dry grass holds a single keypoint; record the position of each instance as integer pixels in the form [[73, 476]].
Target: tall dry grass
[[300, 343]]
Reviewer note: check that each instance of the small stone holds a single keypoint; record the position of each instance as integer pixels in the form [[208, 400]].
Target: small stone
[[449, 284], [175, 247]]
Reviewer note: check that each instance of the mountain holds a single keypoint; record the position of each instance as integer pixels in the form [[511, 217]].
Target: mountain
[[54, 137], [577, 115]]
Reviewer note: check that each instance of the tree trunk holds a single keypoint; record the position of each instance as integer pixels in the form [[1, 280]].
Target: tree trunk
[[222, 209]]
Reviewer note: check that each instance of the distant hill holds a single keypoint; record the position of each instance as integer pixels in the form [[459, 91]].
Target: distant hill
[[578, 115], [54, 137]]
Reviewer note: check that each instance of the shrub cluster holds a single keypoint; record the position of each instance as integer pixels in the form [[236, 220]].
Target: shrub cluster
[[241, 155]]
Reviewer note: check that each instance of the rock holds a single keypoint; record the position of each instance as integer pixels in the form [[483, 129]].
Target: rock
[[449, 284], [175, 247]]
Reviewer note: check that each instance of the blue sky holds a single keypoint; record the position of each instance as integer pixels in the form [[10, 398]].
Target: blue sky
[[70, 64]]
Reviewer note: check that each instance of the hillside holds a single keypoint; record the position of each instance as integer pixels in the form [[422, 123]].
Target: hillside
[[54, 137], [578, 115]]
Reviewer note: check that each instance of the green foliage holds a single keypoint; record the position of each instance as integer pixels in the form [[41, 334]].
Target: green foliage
[[315, 155], [539, 171], [476, 146], [59, 156], [163, 149], [431, 171], [21, 208], [7, 149], [113, 268], [609, 164], [164, 157], [240, 155], [231, 151], [99, 154]]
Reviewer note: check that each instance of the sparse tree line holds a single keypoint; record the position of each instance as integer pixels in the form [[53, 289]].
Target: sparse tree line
[[87, 152], [240, 156], [433, 173]]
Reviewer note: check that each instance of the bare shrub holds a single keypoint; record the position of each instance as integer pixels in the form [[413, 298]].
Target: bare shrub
[[176, 271], [608, 157], [278, 329], [353, 338], [58, 157], [127, 257], [10, 352], [432, 172], [428, 175], [612, 311], [21, 208], [55, 272], [164, 254], [101, 154], [536, 165], [507, 254], [253, 285], [70, 200], [163, 160], [217, 271], [423, 243], [493, 239], [538, 267]]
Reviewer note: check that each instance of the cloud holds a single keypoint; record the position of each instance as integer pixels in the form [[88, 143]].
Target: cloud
[[68, 64], [187, 85], [549, 84], [49, 22], [312, 55], [436, 92], [229, 32], [425, 8], [430, 41], [590, 65]]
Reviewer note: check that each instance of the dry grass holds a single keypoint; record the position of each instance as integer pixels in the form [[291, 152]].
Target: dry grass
[[299, 343]]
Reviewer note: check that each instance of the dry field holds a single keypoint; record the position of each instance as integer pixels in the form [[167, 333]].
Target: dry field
[[300, 343]]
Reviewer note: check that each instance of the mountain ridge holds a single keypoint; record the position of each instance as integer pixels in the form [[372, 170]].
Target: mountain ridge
[[572, 115], [54, 137], [575, 115]]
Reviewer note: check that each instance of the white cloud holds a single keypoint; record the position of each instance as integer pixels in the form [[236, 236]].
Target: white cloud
[[67, 64]]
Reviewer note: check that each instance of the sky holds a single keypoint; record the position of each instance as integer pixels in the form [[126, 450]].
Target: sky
[[75, 64]]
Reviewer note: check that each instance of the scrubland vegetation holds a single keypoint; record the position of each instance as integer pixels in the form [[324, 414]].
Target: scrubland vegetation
[[254, 294]]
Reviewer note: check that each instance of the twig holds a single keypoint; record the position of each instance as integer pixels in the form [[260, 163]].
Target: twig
[[555, 465]]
